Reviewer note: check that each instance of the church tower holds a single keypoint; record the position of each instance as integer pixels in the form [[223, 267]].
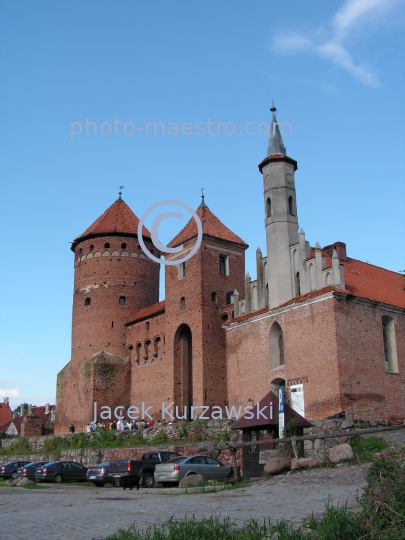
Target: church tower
[[281, 218]]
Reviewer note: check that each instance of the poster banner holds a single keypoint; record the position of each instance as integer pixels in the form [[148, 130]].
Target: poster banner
[[281, 411]]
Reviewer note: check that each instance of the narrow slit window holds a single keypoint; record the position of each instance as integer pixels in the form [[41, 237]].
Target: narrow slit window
[[122, 301]]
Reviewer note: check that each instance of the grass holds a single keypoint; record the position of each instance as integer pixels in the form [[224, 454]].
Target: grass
[[365, 447]]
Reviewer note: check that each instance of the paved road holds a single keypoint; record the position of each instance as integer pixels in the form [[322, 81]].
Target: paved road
[[71, 512]]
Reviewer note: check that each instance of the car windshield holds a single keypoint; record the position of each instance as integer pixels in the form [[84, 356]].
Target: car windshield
[[176, 459]]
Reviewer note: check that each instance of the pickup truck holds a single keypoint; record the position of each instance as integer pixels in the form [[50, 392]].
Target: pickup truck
[[130, 472]]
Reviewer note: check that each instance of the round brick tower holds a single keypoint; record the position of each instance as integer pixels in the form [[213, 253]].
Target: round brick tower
[[113, 280]]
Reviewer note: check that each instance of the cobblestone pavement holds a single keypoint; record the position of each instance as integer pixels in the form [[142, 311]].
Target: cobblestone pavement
[[74, 512]]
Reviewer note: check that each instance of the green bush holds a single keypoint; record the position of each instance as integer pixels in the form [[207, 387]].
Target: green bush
[[159, 438], [365, 447], [21, 446]]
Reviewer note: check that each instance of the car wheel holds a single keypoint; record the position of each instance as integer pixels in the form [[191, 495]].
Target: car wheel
[[57, 478], [148, 480], [99, 484], [13, 475]]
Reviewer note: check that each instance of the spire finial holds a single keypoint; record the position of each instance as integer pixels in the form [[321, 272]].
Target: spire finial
[[202, 205], [120, 192], [276, 145]]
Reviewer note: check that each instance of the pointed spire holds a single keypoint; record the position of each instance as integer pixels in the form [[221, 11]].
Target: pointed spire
[[276, 145], [202, 205]]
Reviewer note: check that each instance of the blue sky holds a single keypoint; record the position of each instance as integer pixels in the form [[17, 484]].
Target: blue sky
[[334, 69]]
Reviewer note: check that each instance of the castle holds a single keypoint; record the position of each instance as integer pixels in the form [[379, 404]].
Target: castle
[[327, 327]]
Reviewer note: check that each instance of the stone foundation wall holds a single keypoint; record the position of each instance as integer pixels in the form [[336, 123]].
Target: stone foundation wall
[[200, 431], [321, 447]]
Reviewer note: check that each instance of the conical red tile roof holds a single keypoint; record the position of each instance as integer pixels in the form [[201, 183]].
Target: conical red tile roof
[[211, 226], [117, 219]]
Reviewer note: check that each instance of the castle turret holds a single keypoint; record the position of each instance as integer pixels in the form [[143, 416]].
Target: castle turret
[[281, 218], [113, 280]]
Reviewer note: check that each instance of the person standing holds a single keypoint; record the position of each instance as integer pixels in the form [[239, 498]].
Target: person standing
[[72, 429]]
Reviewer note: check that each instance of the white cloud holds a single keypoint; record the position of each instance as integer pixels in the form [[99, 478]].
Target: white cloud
[[11, 392], [349, 18], [291, 42]]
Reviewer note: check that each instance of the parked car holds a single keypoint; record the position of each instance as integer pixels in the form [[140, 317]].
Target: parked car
[[61, 471], [130, 472], [100, 474], [9, 470], [174, 470], [28, 471]]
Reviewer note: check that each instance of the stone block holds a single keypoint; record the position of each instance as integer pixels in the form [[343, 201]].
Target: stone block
[[340, 453], [348, 423], [343, 439], [308, 445], [276, 465], [191, 481], [319, 444], [304, 463]]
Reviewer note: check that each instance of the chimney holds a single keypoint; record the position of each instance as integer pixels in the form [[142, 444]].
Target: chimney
[[21, 409], [6, 402], [52, 415], [340, 248], [29, 409], [47, 408]]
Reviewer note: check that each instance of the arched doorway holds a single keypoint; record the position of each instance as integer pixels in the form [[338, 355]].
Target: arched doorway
[[183, 372]]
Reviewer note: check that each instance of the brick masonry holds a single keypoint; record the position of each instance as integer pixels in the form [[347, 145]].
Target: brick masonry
[[192, 351]]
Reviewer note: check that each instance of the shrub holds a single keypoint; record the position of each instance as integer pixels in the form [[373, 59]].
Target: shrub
[[365, 447], [159, 438], [21, 446]]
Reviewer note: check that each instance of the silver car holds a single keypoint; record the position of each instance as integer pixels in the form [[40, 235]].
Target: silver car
[[175, 469]]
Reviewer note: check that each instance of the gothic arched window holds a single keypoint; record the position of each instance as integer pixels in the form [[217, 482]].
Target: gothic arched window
[[291, 206], [268, 207]]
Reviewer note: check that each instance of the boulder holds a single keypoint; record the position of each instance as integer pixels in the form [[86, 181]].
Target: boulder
[[277, 465], [343, 439], [24, 482], [340, 453], [304, 463], [201, 448], [191, 481]]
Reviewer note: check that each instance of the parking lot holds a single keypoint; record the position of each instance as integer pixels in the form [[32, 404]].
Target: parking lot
[[86, 512]]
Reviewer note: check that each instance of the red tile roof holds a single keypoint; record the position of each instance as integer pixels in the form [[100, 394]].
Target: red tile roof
[[118, 218], [150, 311], [257, 420], [211, 226], [5, 413], [362, 279], [38, 411], [368, 281]]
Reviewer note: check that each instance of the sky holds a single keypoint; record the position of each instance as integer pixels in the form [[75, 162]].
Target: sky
[[335, 71]]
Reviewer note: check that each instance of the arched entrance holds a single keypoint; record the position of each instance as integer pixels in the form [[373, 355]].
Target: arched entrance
[[183, 371]]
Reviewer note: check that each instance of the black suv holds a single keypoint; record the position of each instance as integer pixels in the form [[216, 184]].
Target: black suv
[[9, 470]]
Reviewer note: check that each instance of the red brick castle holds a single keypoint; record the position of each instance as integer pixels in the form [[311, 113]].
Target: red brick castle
[[329, 328]]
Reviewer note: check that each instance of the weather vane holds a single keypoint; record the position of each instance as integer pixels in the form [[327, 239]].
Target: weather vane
[[120, 190], [202, 194]]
